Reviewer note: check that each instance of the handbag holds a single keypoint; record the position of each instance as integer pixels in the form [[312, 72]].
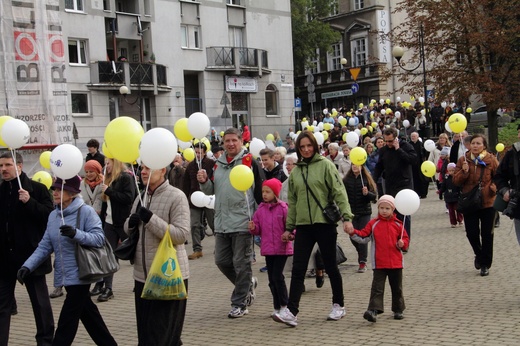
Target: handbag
[[164, 280], [471, 201], [340, 255], [94, 263], [331, 211], [126, 250]]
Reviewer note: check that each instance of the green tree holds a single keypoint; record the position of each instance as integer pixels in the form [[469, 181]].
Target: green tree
[[472, 49], [309, 32]]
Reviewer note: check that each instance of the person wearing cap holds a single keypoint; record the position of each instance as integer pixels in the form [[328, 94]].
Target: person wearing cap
[[388, 242], [61, 238], [269, 223], [451, 196], [314, 173], [91, 186], [93, 152], [441, 168], [24, 211]]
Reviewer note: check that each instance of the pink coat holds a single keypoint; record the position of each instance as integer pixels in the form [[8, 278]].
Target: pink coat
[[269, 222]]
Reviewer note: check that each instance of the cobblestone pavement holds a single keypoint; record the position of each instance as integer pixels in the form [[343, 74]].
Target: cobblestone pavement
[[448, 302]]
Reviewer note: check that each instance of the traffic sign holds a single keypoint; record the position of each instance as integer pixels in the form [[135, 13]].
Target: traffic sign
[[310, 78], [311, 88], [355, 87], [312, 97], [298, 104]]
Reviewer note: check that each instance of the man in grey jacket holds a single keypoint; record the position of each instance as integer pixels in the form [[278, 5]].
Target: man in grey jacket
[[233, 210]]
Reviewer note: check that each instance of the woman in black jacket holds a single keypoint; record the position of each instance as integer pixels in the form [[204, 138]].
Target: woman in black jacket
[[118, 197], [361, 191]]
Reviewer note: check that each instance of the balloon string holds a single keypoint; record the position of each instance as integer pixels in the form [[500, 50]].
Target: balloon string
[[361, 175], [146, 189], [104, 174], [199, 160], [136, 184], [402, 229], [13, 154], [248, 208], [61, 202]]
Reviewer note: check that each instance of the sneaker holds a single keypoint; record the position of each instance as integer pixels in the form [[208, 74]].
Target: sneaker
[[263, 269], [336, 313], [58, 292], [285, 316], [97, 290], [447, 211], [252, 294], [106, 295], [453, 226], [461, 223], [195, 255], [275, 311], [398, 315], [237, 312], [370, 315], [311, 273], [362, 268]]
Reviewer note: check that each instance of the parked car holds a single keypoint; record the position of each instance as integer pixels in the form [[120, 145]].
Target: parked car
[[479, 117]]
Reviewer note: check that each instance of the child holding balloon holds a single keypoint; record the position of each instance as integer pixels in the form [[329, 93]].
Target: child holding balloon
[[269, 223], [388, 239]]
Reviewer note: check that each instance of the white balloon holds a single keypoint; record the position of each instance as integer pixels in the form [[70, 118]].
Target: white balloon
[[314, 123], [444, 104], [406, 123], [305, 124], [66, 161], [447, 127], [270, 145], [429, 145], [158, 148], [198, 199], [352, 139], [210, 155], [381, 101], [183, 145], [358, 132], [291, 134], [341, 117], [15, 133], [421, 99], [398, 115], [255, 146], [325, 111], [398, 99], [383, 111], [420, 139], [352, 122], [407, 202], [320, 126], [319, 138], [423, 111], [198, 125], [209, 202]]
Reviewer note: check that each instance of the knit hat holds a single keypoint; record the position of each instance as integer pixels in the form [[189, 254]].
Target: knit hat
[[445, 151], [93, 165], [387, 199], [451, 165], [274, 184], [71, 184]]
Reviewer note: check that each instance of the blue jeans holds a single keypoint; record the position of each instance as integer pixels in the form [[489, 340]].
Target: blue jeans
[[233, 253]]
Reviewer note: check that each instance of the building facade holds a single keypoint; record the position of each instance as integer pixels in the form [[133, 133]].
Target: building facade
[[64, 63]]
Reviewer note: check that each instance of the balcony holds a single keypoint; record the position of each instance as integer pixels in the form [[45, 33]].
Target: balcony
[[368, 73], [151, 77], [237, 59]]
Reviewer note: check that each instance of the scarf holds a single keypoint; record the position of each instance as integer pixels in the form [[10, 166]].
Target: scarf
[[94, 183], [479, 159]]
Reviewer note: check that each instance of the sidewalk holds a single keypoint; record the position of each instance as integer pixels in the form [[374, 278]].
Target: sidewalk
[[448, 302]]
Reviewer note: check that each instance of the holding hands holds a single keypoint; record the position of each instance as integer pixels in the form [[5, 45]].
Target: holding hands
[[251, 225], [287, 237]]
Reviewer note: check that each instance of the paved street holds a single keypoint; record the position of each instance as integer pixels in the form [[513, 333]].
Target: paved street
[[448, 302]]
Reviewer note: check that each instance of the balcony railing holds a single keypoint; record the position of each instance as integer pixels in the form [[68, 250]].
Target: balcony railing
[[226, 58], [102, 74], [339, 76]]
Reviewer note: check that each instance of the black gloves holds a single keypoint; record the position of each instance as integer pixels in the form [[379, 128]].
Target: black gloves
[[68, 231], [23, 272], [144, 214], [133, 221]]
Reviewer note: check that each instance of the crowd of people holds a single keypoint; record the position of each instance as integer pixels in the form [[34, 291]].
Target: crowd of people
[[300, 194]]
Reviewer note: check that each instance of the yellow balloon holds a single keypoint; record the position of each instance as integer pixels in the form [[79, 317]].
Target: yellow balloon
[[412, 98], [500, 147], [269, 137], [106, 152], [469, 110], [325, 135], [344, 137], [43, 177], [189, 154], [310, 128], [304, 119], [358, 156], [457, 122], [327, 126], [428, 169], [180, 129], [3, 120], [374, 124], [241, 177], [388, 101], [123, 136], [221, 133], [45, 159], [334, 113], [364, 131], [343, 122], [360, 106]]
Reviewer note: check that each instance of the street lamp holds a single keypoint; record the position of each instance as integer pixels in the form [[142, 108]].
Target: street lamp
[[398, 52]]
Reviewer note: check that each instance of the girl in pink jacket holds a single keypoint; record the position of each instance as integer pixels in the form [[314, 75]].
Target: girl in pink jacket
[[269, 223]]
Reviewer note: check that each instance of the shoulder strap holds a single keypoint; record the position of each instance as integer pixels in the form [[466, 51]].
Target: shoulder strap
[[78, 219], [309, 189]]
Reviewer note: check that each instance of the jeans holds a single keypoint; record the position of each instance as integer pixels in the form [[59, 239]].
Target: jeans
[[233, 253], [39, 295], [359, 222], [377, 292], [275, 265], [479, 231], [306, 236]]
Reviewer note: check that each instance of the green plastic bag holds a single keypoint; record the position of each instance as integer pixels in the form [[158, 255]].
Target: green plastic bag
[[164, 280]]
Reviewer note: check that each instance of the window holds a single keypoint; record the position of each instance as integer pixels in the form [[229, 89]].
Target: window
[[359, 52], [271, 100], [106, 5], [359, 4], [236, 37], [77, 52], [190, 36], [74, 5], [315, 61], [79, 103], [233, 2], [334, 8], [335, 57]]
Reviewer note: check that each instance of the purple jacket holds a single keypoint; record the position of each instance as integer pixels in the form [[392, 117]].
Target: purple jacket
[[269, 222]]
